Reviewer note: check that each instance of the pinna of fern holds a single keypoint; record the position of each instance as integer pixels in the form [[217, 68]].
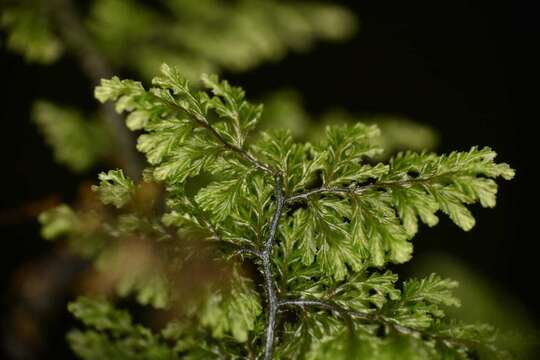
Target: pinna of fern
[[321, 222]]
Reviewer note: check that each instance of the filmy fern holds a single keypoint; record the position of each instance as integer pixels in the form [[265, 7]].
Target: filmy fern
[[321, 222]]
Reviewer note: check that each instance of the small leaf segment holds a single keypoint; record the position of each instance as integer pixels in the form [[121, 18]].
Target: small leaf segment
[[320, 221]]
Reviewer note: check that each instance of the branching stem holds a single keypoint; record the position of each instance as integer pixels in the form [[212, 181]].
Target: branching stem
[[358, 190], [241, 152], [96, 67], [377, 318], [266, 254], [272, 298], [248, 251]]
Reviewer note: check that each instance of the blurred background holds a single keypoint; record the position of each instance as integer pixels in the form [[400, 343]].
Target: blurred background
[[459, 70]]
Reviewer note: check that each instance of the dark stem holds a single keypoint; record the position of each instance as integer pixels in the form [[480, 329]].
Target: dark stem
[[240, 151], [327, 306], [380, 319], [265, 255], [272, 298], [244, 154], [358, 190], [248, 251], [95, 67], [321, 190]]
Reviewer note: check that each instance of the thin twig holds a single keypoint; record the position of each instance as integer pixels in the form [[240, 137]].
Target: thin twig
[[96, 67], [321, 190], [358, 190], [325, 305], [244, 154], [240, 151], [377, 318], [248, 251], [273, 301], [266, 254]]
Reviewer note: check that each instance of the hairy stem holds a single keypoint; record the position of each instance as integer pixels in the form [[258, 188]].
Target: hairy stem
[[272, 298], [95, 67]]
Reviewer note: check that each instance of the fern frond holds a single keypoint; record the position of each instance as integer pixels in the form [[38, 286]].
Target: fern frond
[[320, 222]]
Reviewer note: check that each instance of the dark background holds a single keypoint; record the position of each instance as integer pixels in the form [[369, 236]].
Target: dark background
[[462, 67]]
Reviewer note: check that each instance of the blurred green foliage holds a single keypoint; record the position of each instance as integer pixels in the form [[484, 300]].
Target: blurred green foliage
[[210, 35], [130, 35], [284, 110], [76, 141], [30, 32], [196, 37]]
